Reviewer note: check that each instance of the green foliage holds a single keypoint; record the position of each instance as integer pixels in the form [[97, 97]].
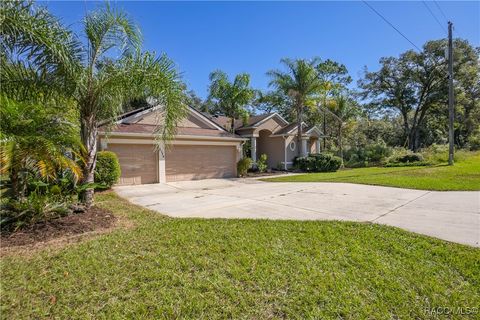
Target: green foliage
[[45, 64], [413, 85], [107, 170], [474, 141], [36, 207], [230, 98], [38, 141], [262, 163], [371, 154], [318, 162], [300, 82], [243, 165], [403, 157]]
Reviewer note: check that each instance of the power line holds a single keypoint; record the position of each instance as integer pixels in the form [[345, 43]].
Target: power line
[[440, 9], [403, 35], [434, 16], [391, 25]]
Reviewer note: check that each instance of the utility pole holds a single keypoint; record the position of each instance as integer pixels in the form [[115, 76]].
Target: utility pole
[[451, 110]]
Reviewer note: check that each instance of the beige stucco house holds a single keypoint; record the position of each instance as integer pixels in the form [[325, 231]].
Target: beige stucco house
[[203, 147]]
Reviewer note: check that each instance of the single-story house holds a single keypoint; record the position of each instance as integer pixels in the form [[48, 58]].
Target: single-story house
[[203, 146]]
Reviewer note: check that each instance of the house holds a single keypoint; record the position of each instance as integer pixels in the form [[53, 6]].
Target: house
[[272, 135], [203, 146]]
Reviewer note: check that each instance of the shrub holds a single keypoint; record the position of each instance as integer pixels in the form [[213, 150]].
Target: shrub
[[412, 157], [403, 157], [243, 165], [262, 163], [374, 153], [317, 162], [474, 141], [36, 207], [107, 171]]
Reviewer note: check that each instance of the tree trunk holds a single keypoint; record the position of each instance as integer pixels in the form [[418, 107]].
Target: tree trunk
[[340, 146], [413, 139], [232, 125], [299, 128], [89, 138]]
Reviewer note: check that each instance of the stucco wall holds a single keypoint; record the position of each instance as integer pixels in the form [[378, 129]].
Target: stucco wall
[[292, 153], [273, 147], [273, 124]]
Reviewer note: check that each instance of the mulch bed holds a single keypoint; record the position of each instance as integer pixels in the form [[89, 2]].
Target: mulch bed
[[92, 220]]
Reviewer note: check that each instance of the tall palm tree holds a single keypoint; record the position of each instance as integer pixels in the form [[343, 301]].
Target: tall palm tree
[[105, 84], [230, 98], [96, 76], [300, 81]]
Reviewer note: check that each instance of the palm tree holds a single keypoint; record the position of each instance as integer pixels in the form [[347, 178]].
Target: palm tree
[[230, 98], [96, 84], [301, 83], [36, 141], [105, 84], [37, 58], [343, 109]]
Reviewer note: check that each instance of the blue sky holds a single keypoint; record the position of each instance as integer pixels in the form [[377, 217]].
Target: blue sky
[[253, 36]]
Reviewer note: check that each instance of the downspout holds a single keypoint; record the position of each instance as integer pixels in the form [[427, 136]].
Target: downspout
[[285, 153]]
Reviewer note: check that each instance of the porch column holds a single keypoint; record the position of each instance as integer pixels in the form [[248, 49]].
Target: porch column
[[304, 147], [253, 146], [162, 177], [317, 146]]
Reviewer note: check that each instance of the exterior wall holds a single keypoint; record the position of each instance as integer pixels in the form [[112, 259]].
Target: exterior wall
[[273, 147], [272, 125], [291, 153], [312, 146]]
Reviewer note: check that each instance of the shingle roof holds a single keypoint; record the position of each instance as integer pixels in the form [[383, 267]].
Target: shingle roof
[[286, 129], [150, 129], [224, 121]]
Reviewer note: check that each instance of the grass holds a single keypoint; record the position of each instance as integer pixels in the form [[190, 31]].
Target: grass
[[249, 269], [464, 175]]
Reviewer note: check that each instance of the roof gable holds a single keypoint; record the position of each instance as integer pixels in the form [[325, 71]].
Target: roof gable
[[153, 115]]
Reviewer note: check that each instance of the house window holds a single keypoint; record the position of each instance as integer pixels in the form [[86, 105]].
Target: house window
[[292, 145]]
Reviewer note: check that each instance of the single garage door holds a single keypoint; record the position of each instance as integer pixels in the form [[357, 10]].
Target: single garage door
[[139, 163], [191, 162]]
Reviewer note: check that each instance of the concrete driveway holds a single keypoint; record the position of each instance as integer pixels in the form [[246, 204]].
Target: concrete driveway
[[453, 216]]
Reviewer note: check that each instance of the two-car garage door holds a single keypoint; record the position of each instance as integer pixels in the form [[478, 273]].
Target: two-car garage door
[[140, 162], [191, 162]]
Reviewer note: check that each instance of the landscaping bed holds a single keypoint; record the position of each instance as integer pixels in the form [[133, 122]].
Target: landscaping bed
[[92, 220]]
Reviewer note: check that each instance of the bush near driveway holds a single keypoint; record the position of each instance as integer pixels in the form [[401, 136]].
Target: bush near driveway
[[107, 170], [243, 165], [249, 269]]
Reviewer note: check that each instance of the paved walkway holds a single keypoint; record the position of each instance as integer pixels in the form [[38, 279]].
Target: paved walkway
[[453, 216]]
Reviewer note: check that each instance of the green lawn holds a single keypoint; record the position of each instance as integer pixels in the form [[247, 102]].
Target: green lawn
[[250, 269], [464, 175]]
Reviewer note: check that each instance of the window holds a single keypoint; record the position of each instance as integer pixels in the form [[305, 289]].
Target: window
[[292, 145]]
